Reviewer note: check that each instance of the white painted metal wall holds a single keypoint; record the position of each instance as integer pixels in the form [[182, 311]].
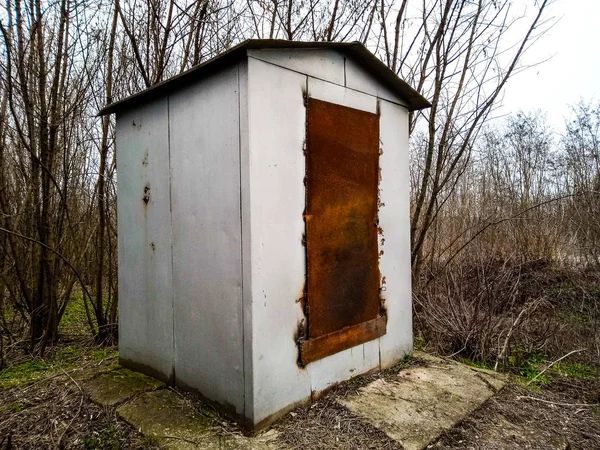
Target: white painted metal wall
[[212, 268], [207, 266], [180, 255], [145, 277], [276, 120]]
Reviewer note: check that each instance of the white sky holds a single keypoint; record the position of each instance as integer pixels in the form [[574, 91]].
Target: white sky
[[571, 74]]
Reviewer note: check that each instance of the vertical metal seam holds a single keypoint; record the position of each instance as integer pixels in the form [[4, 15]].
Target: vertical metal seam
[[379, 248], [305, 181], [241, 238], [171, 236]]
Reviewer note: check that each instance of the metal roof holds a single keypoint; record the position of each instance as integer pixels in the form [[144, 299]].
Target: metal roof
[[355, 50]]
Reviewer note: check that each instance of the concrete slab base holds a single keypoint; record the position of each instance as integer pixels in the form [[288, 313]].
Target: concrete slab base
[[169, 419], [157, 412], [413, 407], [116, 386], [422, 402], [166, 417]]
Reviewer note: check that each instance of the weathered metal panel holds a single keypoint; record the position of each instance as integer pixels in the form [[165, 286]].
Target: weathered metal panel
[[324, 64], [277, 128], [362, 358], [207, 264], [341, 217], [276, 163], [329, 344], [361, 80], [394, 216], [333, 93], [144, 222], [246, 214]]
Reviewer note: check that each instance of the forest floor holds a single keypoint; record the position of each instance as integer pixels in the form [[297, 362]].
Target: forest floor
[[44, 404]]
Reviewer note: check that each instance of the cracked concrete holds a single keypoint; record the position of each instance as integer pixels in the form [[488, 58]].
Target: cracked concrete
[[422, 402]]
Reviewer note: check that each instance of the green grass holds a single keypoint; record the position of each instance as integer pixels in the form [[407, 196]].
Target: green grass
[[23, 373], [575, 317], [404, 363], [355, 381], [64, 358], [419, 344], [101, 354], [68, 355], [529, 366], [108, 439], [576, 370], [477, 364], [13, 407], [148, 442], [73, 325], [74, 319]]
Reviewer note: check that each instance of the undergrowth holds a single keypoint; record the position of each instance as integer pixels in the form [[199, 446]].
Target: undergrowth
[[515, 317], [74, 348], [62, 359]]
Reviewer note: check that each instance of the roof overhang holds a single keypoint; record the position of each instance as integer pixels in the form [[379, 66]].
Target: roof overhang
[[356, 50]]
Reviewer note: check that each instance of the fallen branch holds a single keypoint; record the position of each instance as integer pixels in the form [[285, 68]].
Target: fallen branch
[[508, 338], [48, 378], [521, 397], [510, 331], [554, 362], [181, 438], [59, 444]]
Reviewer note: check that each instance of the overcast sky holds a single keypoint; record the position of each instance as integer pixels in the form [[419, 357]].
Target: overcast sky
[[571, 74]]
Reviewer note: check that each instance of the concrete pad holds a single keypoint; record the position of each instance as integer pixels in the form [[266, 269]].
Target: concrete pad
[[422, 402], [166, 416], [116, 386]]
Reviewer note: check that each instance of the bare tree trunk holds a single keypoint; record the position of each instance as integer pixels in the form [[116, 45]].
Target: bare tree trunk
[[104, 335]]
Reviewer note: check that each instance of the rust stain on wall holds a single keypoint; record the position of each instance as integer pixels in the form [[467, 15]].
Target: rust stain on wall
[[146, 197], [342, 173]]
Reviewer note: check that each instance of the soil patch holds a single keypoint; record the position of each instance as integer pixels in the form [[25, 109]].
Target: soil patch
[[518, 417]]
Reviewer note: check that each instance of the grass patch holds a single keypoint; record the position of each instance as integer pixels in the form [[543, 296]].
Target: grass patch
[[404, 363], [101, 354], [64, 358], [74, 319], [529, 366], [23, 373], [477, 364], [68, 355], [575, 317], [148, 442], [419, 344], [576, 370], [13, 407], [356, 381], [108, 439]]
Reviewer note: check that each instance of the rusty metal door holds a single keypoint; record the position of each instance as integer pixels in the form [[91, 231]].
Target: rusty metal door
[[342, 169]]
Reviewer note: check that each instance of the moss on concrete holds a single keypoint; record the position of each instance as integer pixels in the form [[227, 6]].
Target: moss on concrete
[[117, 386], [169, 420], [165, 416]]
